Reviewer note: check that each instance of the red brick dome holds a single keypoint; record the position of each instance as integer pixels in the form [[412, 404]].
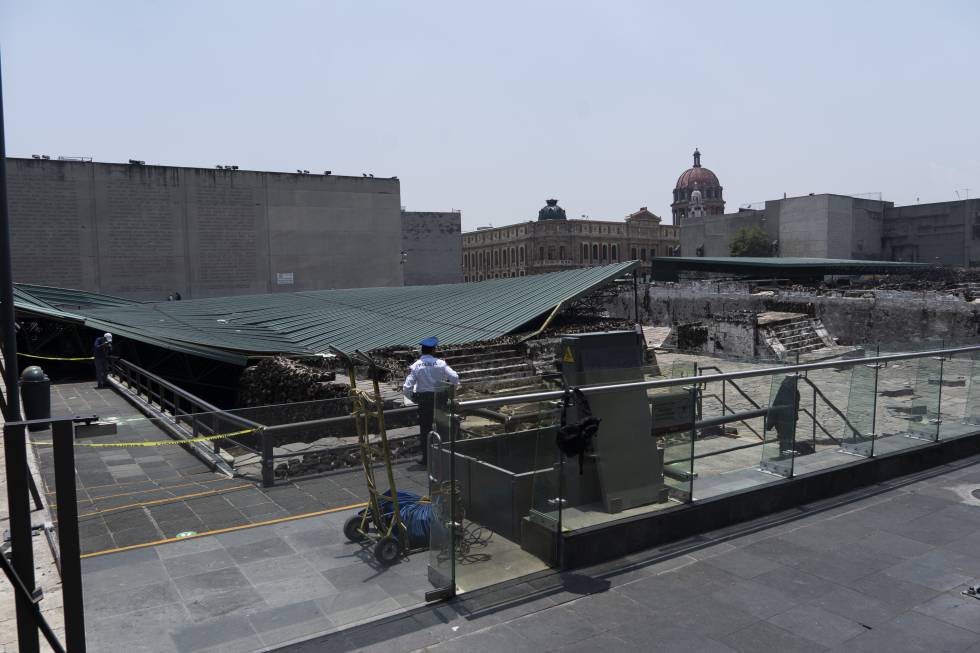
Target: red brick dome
[[702, 176]]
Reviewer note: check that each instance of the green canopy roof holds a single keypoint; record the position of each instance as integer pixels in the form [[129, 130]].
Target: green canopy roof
[[234, 329]]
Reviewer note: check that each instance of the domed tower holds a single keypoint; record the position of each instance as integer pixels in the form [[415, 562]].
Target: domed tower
[[552, 211], [702, 181]]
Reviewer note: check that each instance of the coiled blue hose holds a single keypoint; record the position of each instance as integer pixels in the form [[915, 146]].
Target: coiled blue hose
[[415, 513]]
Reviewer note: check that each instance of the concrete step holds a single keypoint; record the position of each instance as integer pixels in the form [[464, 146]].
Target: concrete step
[[498, 371], [485, 363], [482, 356], [474, 349], [497, 378]]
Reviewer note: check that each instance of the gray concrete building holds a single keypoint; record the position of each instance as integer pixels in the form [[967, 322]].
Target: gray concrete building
[[947, 232], [846, 227], [432, 247], [145, 231]]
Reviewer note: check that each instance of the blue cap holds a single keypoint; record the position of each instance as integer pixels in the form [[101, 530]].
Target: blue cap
[[430, 342]]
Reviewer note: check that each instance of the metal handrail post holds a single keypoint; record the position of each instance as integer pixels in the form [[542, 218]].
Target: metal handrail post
[[63, 439], [874, 412], [939, 399], [21, 544]]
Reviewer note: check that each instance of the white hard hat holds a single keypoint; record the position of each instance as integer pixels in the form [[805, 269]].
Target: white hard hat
[[107, 336]]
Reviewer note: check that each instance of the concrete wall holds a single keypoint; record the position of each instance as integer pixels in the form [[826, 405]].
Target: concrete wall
[[716, 233], [433, 247], [944, 232], [146, 231]]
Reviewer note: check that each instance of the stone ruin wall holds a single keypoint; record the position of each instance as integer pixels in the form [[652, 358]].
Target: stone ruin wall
[[895, 320]]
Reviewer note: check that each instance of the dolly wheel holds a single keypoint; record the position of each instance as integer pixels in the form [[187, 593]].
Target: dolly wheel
[[352, 529], [387, 550]]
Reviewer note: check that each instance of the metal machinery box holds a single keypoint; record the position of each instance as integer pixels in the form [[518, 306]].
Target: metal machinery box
[[626, 459]]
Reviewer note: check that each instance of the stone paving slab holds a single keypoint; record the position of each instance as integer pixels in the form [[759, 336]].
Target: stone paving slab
[[243, 590]]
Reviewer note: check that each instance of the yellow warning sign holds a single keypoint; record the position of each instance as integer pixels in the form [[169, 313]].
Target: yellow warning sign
[[568, 358]]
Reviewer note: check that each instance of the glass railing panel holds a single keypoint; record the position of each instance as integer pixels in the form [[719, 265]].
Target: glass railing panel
[[442, 495], [858, 427], [971, 412], [780, 436], [507, 484], [673, 426], [955, 396], [924, 418], [893, 405]]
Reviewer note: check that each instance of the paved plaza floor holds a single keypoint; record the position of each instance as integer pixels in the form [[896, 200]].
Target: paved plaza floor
[[883, 569]]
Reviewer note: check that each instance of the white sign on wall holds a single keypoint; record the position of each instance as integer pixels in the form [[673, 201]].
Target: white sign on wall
[[284, 278]]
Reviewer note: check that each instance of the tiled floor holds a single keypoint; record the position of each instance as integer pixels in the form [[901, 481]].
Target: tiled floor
[[243, 590], [136, 495]]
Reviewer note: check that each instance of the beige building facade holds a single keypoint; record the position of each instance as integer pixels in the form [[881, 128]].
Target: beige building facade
[[554, 243]]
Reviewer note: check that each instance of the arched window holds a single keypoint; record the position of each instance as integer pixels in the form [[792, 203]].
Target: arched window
[[513, 256], [633, 254], [505, 258], [496, 258], [541, 253], [561, 253], [522, 253], [595, 252], [614, 257], [605, 252], [653, 252], [481, 259], [643, 254], [585, 251]]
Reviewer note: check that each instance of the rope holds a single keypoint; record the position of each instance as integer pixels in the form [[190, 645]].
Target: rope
[[56, 358], [158, 443]]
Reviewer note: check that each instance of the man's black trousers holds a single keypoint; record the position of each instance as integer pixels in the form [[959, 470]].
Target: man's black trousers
[[426, 402]]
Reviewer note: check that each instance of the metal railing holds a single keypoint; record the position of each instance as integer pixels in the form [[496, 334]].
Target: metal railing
[[492, 402], [189, 416], [186, 415]]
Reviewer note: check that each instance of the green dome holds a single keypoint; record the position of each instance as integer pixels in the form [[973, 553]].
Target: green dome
[[552, 211]]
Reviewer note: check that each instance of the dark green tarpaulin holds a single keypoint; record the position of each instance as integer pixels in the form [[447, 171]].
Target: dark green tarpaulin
[[233, 329]]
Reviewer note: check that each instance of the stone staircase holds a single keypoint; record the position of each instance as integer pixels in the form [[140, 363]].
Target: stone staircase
[[489, 363], [970, 290], [789, 334]]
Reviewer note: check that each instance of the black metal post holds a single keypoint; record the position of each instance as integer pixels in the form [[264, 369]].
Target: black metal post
[[268, 462], [63, 437], [7, 290], [35, 495], [22, 547]]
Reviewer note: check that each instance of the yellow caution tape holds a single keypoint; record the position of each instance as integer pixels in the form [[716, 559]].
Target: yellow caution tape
[[157, 443], [56, 358]]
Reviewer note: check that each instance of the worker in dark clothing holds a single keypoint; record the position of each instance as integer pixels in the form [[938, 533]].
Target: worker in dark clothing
[[424, 377], [782, 415], [100, 352]]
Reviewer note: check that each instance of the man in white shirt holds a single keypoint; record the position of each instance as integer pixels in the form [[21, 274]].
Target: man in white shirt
[[424, 376]]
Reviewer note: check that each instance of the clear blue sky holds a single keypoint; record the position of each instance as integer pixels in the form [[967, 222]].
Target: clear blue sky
[[491, 108]]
